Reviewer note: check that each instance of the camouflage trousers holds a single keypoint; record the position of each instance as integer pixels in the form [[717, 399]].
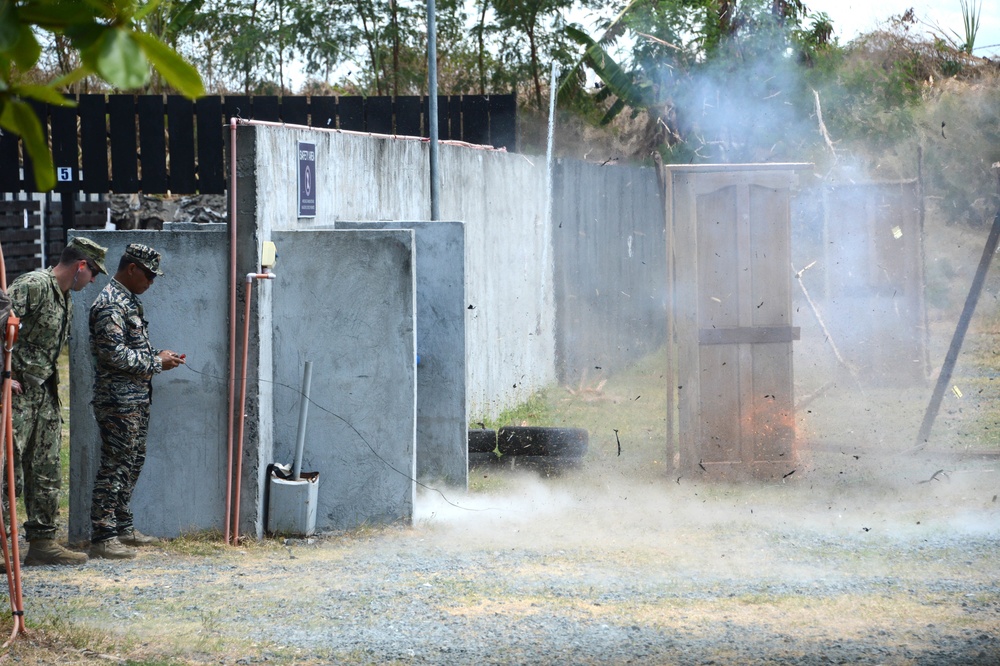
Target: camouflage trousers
[[123, 452], [37, 470]]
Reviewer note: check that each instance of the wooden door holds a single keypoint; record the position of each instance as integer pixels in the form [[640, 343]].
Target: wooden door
[[732, 323]]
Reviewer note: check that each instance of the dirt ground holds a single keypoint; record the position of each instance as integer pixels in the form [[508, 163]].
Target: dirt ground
[[861, 557]]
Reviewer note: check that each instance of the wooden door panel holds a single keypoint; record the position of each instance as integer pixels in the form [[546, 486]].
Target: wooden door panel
[[732, 237]]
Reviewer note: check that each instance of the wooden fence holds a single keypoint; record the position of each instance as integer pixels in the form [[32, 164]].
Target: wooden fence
[[166, 143]]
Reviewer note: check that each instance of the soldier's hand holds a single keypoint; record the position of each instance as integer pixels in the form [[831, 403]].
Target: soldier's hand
[[171, 360], [15, 387]]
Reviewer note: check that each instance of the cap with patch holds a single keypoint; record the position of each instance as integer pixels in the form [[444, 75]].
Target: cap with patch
[[145, 256], [91, 250]]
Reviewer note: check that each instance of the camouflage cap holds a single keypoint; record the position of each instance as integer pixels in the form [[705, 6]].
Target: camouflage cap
[[144, 256], [91, 250]]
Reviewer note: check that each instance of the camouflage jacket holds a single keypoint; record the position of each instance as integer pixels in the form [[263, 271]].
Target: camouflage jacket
[[124, 359], [46, 315]]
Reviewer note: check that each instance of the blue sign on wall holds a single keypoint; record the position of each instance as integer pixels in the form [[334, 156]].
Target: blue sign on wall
[[307, 179]]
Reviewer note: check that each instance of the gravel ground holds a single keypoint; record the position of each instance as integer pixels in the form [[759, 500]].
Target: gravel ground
[[584, 569]]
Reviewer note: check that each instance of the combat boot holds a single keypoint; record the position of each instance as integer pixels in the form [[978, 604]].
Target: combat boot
[[49, 551], [112, 549], [133, 537]]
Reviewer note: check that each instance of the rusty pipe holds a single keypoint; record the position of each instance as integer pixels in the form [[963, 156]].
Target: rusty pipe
[[12, 556], [243, 403]]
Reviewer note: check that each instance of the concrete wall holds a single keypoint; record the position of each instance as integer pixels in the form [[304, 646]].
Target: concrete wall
[[501, 197], [442, 426], [355, 320], [266, 166], [182, 487], [609, 255], [345, 300]]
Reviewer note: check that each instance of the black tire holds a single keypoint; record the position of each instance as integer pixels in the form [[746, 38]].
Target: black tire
[[567, 443], [482, 441], [544, 465], [482, 460]]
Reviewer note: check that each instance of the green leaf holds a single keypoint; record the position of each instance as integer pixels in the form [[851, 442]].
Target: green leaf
[[9, 26], [58, 15], [174, 69], [617, 79], [184, 16], [26, 50], [145, 9], [17, 41], [17, 116], [45, 94], [615, 109], [119, 60]]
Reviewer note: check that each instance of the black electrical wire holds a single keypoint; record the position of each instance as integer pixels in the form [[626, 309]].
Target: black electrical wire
[[351, 426]]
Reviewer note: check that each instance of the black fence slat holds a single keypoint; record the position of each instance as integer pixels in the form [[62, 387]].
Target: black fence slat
[[265, 107], [443, 132], [323, 112], [295, 110], [378, 115], [65, 150], [20, 244], [152, 143], [425, 109], [210, 128], [408, 112], [10, 163], [351, 111], [93, 143], [124, 163], [125, 143], [236, 106], [42, 113], [503, 121], [455, 118], [180, 125], [91, 215], [475, 119]]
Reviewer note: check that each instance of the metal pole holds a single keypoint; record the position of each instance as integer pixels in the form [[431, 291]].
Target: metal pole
[[300, 443], [956, 341], [432, 106], [549, 188]]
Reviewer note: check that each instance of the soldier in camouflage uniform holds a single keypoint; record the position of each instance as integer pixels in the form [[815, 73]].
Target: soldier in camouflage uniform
[[43, 300], [125, 363]]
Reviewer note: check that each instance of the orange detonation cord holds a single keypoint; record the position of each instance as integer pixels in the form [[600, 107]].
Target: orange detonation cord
[[11, 555]]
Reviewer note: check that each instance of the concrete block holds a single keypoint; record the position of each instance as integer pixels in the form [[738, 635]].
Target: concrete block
[[345, 300], [442, 424], [182, 486]]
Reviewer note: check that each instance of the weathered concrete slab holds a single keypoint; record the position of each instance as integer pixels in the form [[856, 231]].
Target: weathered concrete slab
[[442, 424], [345, 300], [501, 197], [182, 487]]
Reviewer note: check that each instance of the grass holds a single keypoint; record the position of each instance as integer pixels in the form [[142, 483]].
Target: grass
[[629, 408]]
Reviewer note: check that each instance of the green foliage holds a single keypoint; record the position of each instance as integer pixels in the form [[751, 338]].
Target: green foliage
[[720, 76], [110, 44]]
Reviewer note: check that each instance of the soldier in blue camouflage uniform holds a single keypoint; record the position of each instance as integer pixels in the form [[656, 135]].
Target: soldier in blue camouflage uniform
[[125, 363], [43, 300]]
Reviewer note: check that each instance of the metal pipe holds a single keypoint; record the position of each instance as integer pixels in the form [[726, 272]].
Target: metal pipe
[[549, 187], [235, 520], [300, 443], [432, 102], [232, 323], [959, 336]]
